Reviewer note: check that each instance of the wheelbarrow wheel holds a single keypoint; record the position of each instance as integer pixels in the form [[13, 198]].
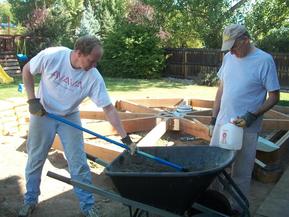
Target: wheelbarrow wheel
[[214, 200]]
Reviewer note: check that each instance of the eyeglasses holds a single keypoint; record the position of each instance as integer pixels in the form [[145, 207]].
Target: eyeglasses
[[238, 43]]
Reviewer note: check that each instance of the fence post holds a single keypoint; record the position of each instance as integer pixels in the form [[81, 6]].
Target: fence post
[[186, 66]]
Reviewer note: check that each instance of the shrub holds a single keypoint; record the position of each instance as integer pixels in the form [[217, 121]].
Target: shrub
[[49, 29], [132, 51], [207, 77]]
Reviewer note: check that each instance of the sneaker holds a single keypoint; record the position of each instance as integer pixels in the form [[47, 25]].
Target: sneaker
[[26, 210], [94, 212]]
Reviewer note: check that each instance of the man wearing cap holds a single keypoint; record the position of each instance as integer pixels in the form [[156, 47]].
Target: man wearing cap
[[246, 76]]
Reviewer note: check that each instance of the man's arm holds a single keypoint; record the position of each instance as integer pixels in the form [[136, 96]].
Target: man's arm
[[28, 81], [247, 119], [217, 102], [273, 99], [216, 108], [113, 118], [35, 106]]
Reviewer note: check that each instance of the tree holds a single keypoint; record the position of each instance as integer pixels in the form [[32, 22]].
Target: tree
[[194, 22], [22, 9], [267, 15], [132, 48], [268, 23], [132, 51], [74, 9], [276, 40], [52, 29], [89, 25], [5, 12], [108, 14]]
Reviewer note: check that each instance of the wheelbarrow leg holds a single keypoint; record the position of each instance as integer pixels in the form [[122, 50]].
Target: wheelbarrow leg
[[137, 213], [208, 211], [140, 214], [235, 186], [231, 187]]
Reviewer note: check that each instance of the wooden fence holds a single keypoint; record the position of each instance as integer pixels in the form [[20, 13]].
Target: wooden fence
[[187, 63]]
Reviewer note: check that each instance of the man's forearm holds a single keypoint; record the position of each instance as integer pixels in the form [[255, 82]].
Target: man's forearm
[[28, 81], [269, 103], [217, 102], [113, 118]]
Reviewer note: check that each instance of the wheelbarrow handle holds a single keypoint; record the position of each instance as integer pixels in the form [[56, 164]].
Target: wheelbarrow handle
[[160, 160]]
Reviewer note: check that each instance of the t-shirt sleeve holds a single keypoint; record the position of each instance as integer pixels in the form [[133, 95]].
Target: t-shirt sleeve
[[37, 63], [270, 77], [220, 72], [98, 93]]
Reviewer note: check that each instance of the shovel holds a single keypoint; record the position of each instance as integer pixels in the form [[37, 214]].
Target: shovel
[[149, 156]]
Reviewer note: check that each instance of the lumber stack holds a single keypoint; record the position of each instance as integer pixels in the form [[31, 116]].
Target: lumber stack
[[13, 115]]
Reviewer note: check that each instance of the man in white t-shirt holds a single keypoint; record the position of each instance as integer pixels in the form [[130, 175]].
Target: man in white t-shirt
[[67, 77], [246, 76]]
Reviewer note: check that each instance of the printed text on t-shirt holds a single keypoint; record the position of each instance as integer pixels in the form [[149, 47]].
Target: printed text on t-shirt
[[66, 80]]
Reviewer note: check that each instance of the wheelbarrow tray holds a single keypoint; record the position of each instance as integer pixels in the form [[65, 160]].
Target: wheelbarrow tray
[[149, 182]]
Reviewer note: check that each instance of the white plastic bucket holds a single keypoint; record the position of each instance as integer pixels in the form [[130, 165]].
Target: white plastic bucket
[[231, 137]]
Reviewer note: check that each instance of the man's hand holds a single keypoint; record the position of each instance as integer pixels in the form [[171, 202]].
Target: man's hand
[[212, 125], [133, 148], [35, 107], [245, 120]]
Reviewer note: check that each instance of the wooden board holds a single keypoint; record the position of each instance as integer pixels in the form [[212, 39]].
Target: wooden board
[[273, 124], [273, 114], [130, 125], [171, 102], [99, 115], [155, 134], [132, 107], [105, 152], [195, 128], [201, 103]]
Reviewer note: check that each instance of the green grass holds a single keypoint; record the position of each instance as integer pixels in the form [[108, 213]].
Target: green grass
[[132, 88], [284, 99], [140, 88], [161, 88], [11, 90]]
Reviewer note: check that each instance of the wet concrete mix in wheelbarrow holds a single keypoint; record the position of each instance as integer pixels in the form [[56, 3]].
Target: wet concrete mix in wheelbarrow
[[136, 163]]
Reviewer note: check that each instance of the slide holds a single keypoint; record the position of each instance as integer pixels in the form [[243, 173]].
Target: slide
[[4, 77]]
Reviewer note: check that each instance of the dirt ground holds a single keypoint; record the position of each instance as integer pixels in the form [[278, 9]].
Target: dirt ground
[[57, 198]]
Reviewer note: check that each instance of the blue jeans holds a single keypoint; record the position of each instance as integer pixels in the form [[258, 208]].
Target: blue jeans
[[42, 131]]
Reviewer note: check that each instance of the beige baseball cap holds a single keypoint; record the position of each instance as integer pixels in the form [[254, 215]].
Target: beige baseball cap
[[230, 34]]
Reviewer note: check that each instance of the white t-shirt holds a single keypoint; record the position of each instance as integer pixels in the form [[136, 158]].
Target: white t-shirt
[[245, 85], [62, 88]]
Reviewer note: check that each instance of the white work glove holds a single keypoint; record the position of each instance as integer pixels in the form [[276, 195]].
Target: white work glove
[[212, 125], [132, 146]]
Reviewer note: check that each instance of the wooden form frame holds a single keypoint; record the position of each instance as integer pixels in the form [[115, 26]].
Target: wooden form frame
[[156, 116]]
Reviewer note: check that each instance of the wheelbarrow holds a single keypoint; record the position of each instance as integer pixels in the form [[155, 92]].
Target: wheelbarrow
[[148, 187]]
